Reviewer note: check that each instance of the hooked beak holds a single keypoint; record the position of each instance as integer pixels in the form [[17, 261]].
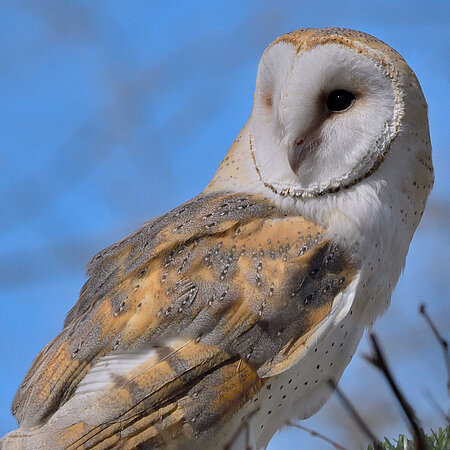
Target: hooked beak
[[298, 152]]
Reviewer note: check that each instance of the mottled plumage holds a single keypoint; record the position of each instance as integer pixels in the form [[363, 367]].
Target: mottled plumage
[[215, 323], [221, 290]]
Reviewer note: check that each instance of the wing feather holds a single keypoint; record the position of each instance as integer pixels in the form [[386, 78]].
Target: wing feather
[[224, 286]]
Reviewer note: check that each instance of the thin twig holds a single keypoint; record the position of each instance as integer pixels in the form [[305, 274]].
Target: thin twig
[[442, 342], [316, 434], [355, 415], [379, 361], [244, 424], [436, 406]]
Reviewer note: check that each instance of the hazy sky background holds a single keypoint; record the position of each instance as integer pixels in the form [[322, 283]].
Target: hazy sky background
[[113, 112]]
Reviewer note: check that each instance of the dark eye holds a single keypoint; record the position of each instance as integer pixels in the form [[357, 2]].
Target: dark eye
[[340, 100]]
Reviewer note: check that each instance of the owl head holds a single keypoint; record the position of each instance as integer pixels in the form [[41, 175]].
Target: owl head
[[328, 106]]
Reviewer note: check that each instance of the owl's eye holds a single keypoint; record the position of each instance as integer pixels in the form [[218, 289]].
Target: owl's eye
[[340, 100]]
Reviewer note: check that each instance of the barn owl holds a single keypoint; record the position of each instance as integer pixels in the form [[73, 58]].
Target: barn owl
[[216, 323]]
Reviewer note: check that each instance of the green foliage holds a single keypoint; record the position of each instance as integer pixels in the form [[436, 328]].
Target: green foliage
[[439, 440]]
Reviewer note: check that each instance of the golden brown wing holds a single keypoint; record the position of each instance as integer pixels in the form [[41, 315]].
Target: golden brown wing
[[178, 323]]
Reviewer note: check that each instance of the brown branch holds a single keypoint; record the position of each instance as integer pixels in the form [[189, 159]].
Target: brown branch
[[355, 415], [434, 404], [244, 424], [316, 434], [441, 340], [379, 361]]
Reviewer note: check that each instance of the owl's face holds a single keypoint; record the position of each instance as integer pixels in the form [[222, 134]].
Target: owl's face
[[325, 114]]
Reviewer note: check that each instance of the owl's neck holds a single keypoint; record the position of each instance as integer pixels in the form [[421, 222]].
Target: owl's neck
[[374, 220]]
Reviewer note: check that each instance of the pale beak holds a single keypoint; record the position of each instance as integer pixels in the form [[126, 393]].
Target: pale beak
[[297, 153]]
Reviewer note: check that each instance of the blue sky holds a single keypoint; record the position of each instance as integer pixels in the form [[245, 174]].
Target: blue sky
[[113, 112]]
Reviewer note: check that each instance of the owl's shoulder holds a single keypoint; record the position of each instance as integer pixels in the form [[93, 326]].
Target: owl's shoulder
[[203, 216]]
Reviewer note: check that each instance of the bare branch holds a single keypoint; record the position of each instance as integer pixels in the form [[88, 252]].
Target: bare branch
[[434, 404], [379, 361], [245, 424], [442, 342], [316, 434], [355, 415]]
